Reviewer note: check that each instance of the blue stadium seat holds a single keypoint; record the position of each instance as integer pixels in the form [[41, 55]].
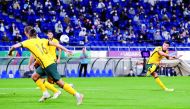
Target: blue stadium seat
[[73, 73], [17, 74], [110, 73], [91, 73], [104, 74], [4, 75], [67, 74], [11, 75], [88, 74], [98, 74]]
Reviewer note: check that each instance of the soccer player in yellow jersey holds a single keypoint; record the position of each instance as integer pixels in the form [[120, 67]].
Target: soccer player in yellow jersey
[[154, 60], [36, 64], [52, 49], [38, 47]]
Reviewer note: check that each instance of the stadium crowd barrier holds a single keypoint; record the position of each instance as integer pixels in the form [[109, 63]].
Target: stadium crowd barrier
[[17, 67]]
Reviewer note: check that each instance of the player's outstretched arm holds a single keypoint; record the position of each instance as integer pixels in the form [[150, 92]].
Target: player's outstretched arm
[[59, 55], [175, 57], [60, 46], [163, 53], [31, 63], [169, 57], [13, 48]]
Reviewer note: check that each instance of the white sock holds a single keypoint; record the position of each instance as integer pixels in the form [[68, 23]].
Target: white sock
[[45, 93], [77, 95]]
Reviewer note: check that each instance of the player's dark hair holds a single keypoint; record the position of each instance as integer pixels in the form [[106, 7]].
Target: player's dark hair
[[27, 29], [33, 33], [167, 42], [49, 31]]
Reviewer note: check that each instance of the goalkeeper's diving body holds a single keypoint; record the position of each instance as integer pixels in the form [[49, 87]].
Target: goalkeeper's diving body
[[153, 62]]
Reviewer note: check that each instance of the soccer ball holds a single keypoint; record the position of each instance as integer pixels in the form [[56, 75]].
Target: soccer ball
[[64, 38]]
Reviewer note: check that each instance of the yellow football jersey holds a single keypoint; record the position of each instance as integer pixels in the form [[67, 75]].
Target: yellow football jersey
[[155, 57], [52, 49], [39, 48]]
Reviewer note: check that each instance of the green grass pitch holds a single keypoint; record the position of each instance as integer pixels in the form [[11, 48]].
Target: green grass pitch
[[100, 93]]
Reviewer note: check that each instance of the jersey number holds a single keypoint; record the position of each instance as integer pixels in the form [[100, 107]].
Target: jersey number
[[42, 49]]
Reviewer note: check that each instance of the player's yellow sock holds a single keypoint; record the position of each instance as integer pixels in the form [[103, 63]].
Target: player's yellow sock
[[41, 85], [69, 89], [159, 82], [51, 87]]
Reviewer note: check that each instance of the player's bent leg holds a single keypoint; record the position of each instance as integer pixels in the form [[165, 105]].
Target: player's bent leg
[[39, 73], [148, 73], [45, 96], [67, 87], [151, 68], [39, 83], [43, 80], [51, 87], [35, 76], [56, 95], [50, 80], [154, 74], [159, 82], [52, 72]]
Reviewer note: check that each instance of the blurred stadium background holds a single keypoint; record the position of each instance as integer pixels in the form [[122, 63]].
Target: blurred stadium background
[[114, 32]]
